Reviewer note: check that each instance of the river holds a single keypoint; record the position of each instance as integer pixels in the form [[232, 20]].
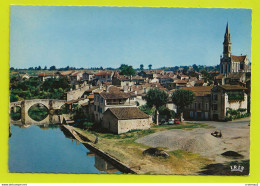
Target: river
[[47, 149]]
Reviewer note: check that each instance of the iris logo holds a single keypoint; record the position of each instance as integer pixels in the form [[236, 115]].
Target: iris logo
[[237, 168]]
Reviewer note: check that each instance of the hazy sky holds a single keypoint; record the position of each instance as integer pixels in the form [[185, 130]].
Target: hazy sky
[[109, 36]]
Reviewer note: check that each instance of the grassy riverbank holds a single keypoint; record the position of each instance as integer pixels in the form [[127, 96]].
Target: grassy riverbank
[[125, 148]]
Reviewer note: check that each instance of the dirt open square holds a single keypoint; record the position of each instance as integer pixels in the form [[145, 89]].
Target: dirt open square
[[236, 137]]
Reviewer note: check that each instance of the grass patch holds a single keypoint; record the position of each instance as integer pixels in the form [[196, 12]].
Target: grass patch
[[177, 153]]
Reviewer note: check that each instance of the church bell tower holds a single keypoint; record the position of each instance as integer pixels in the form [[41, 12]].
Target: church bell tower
[[227, 44]]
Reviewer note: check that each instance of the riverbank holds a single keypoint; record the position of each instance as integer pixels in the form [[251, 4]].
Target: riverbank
[[125, 149]]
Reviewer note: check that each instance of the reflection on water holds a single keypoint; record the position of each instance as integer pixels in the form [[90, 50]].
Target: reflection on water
[[48, 148]]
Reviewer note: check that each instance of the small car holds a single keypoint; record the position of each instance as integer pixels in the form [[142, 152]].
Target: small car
[[170, 122], [176, 121]]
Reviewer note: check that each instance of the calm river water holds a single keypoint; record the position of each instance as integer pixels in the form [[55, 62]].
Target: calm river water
[[48, 149]]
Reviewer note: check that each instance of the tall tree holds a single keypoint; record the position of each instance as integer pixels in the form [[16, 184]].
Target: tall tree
[[156, 98], [141, 67], [150, 66], [182, 98], [127, 70], [52, 68]]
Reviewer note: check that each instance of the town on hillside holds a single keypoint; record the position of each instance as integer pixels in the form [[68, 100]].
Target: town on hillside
[[124, 101]]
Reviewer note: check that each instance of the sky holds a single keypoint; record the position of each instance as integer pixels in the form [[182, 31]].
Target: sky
[[81, 36]]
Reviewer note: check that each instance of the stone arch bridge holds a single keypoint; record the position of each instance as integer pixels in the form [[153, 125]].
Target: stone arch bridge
[[50, 104]]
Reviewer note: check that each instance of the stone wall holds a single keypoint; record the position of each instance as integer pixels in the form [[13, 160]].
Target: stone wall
[[76, 94], [128, 125]]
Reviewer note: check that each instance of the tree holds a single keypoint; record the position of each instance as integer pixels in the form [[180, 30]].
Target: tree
[[195, 67], [141, 67], [182, 98], [127, 70], [150, 66], [45, 68], [52, 68], [156, 98]]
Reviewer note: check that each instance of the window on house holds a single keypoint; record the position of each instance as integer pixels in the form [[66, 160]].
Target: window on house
[[195, 105], [215, 97], [102, 100], [215, 107], [206, 106], [199, 105], [191, 114]]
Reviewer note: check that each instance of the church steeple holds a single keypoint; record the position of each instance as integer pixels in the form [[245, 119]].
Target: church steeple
[[227, 43]]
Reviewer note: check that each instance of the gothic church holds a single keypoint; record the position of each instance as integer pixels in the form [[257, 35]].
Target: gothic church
[[230, 63]]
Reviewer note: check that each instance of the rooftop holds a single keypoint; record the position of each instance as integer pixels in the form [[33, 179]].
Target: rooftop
[[125, 113]]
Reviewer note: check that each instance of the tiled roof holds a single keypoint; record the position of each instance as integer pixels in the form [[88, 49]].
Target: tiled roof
[[75, 73], [200, 90], [236, 75], [103, 73], [44, 75], [220, 76], [238, 58], [118, 95], [232, 87], [125, 113], [180, 81]]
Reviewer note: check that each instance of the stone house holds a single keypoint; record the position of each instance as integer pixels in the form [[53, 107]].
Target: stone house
[[44, 76], [124, 119], [121, 80], [75, 76], [224, 97], [236, 78], [112, 97], [104, 76], [219, 79], [88, 76], [200, 109]]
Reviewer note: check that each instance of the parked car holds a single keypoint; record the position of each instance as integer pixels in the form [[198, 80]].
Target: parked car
[[170, 122], [176, 121]]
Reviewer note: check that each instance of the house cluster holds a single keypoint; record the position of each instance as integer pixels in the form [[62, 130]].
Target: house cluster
[[113, 99]]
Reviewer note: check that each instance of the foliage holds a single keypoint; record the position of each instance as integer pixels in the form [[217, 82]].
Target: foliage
[[182, 98], [146, 109], [166, 113], [52, 68], [150, 66], [38, 113], [238, 96], [156, 97], [83, 120], [236, 114], [34, 88], [127, 70], [141, 67], [13, 98], [16, 115]]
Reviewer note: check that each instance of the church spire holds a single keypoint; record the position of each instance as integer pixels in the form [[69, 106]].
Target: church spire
[[227, 43]]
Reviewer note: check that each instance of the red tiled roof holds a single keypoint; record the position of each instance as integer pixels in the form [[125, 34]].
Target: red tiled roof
[[103, 73], [238, 58], [232, 87], [200, 90], [126, 113], [44, 75]]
